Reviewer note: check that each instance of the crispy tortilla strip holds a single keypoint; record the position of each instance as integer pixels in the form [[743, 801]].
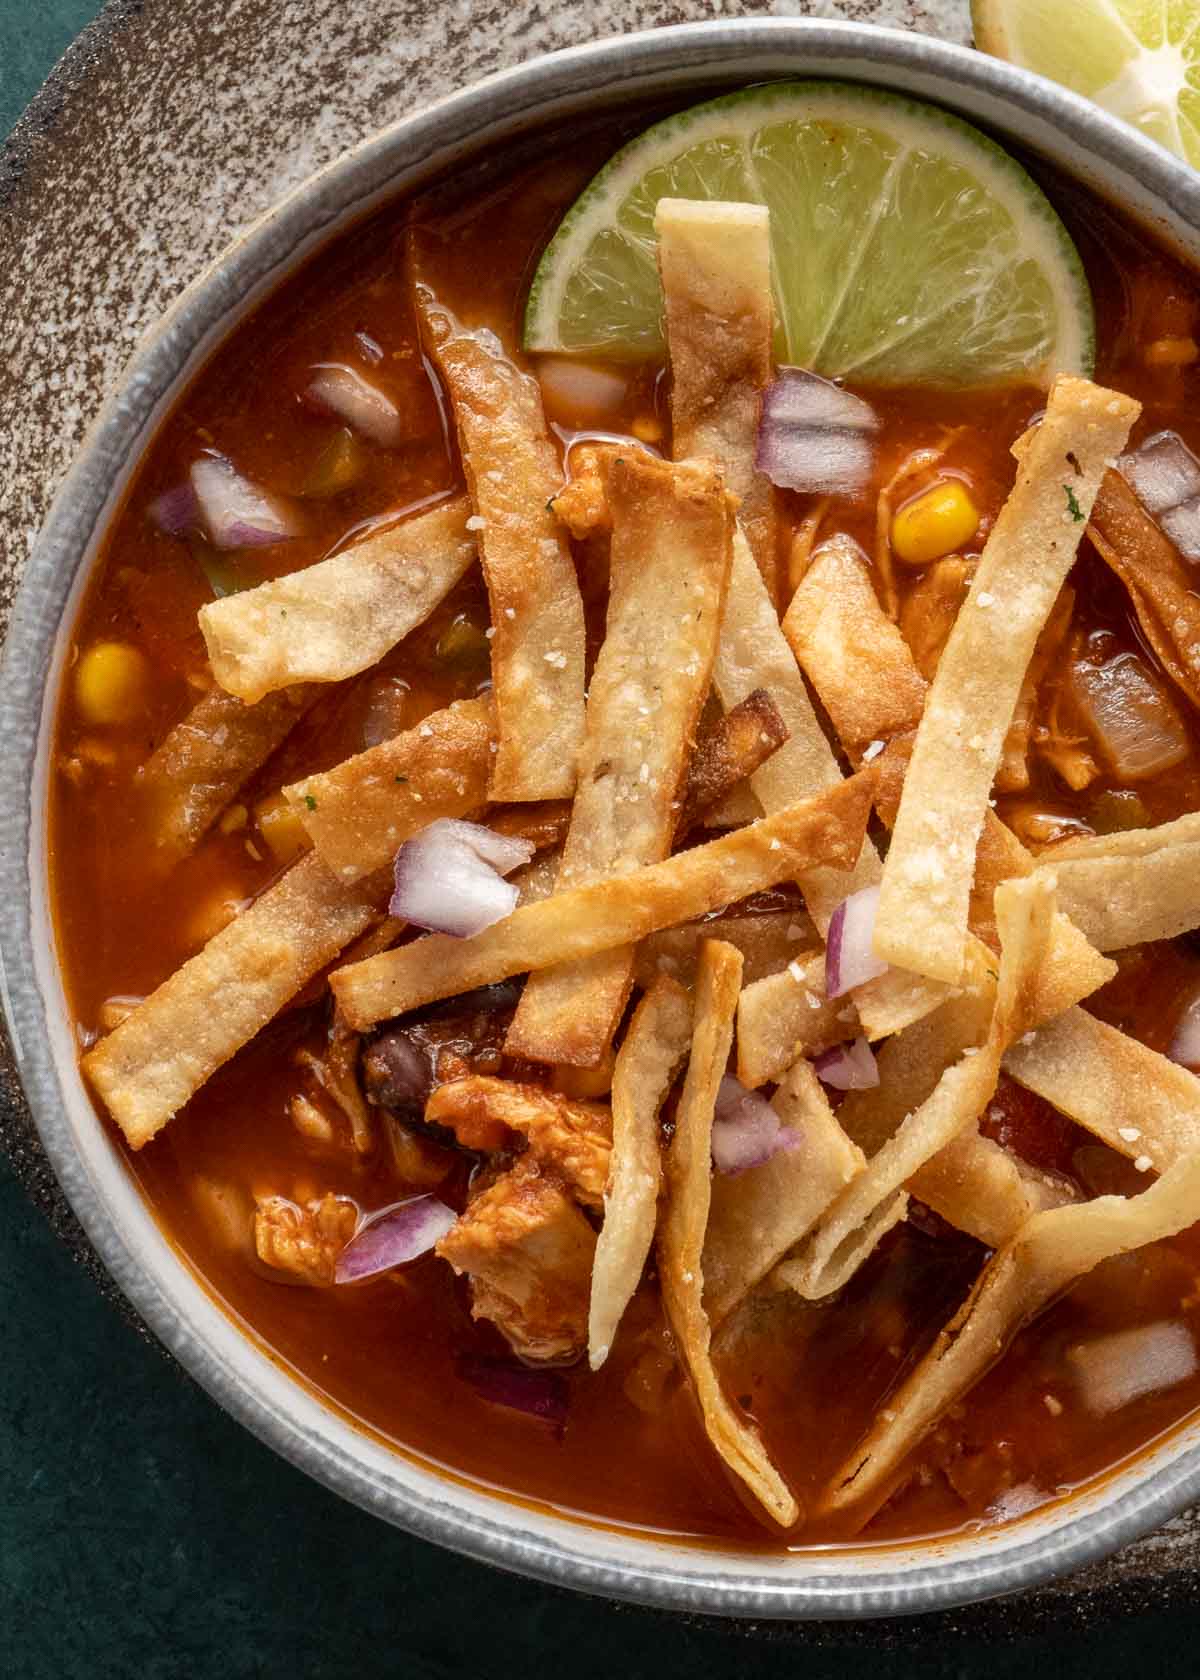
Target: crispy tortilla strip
[[1045, 1257], [512, 473], [1137, 1101], [544, 824], [205, 761], [732, 749], [1025, 911], [685, 1221], [971, 1182], [715, 263], [583, 920], [163, 1052], [1160, 585], [850, 650], [669, 571], [340, 616], [649, 1059], [757, 1216], [1132, 888], [785, 1015], [359, 813], [767, 942], [922, 920]]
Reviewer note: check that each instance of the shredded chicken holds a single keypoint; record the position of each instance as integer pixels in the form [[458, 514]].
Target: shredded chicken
[[573, 1139], [1056, 745], [582, 503], [336, 1073], [930, 608], [528, 1252], [303, 1240]]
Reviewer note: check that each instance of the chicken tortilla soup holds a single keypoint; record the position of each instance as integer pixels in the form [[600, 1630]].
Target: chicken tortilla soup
[[625, 826]]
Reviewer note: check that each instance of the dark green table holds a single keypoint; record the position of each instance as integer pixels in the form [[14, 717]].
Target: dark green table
[[144, 1536]]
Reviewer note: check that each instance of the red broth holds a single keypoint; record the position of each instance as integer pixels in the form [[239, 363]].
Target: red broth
[[389, 1352]]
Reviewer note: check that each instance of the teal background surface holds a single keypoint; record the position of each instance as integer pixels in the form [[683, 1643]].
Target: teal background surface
[[143, 1534]]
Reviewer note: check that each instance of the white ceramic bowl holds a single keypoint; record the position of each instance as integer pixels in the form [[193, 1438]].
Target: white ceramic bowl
[[695, 60]]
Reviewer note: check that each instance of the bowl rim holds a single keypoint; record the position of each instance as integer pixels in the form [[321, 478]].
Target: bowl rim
[[428, 1503]]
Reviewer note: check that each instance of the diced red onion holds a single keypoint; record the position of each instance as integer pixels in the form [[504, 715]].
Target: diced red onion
[[175, 511], [746, 1130], [542, 1394], [1165, 476], [848, 1067], [450, 877], [342, 391], [1133, 722], [393, 1238], [849, 957], [1185, 1041], [1113, 1370], [813, 436], [235, 512]]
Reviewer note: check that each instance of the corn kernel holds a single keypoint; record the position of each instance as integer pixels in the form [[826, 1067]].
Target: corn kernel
[[111, 683], [647, 429], [281, 828], [938, 521], [234, 819]]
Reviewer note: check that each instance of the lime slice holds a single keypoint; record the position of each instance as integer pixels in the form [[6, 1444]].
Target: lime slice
[[1139, 59], [907, 246]]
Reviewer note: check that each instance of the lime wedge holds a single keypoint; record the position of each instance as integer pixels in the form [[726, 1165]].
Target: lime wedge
[[1139, 59], [907, 246]]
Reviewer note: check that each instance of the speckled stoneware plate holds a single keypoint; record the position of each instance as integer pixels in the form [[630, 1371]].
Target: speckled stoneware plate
[[866, 1582]]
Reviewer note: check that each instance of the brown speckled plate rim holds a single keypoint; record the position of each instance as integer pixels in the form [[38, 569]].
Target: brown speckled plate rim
[[1163, 191]]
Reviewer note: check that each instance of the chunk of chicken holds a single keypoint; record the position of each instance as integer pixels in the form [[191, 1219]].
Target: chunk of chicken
[[303, 1240], [573, 1139], [528, 1252], [582, 503]]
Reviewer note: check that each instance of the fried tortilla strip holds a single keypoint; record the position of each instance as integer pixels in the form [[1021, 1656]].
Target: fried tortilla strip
[[850, 650], [847, 1233], [161, 1054], [758, 1215], [767, 942], [1046, 1256], [733, 749], [672, 527], [715, 263], [1131, 888], [972, 1182], [1160, 585], [205, 761], [649, 1059], [922, 920], [359, 813], [340, 616], [685, 1222], [1132, 1098], [786, 1015], [512, 473], [583, 920]]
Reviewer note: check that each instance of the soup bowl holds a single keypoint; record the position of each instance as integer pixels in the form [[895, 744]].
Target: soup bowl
[[422, 1497]]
